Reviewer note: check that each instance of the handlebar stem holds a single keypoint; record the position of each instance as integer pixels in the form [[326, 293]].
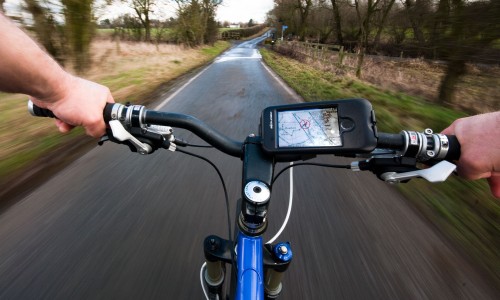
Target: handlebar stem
[[256, 192]]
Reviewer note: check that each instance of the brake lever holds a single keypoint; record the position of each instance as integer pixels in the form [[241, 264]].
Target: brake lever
[[398, 169], [122, 135], [167, 133], [437, 173]]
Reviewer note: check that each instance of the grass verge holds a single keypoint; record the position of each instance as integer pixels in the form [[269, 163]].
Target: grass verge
[[132, 71], [464, 211]]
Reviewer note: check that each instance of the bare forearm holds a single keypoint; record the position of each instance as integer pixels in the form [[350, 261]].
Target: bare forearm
[[479, 138], [26, 68]]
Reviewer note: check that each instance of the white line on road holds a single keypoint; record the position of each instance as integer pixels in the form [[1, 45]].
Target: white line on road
[[280, 81], [164, 102], [290, 91]]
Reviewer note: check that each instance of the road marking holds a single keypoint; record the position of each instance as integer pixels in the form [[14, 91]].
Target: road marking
[[230, 58], [181, 88], [223, 58], [280, 81]]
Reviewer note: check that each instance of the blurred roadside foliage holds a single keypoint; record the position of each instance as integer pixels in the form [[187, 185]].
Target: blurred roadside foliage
[[66, 28], [70, 38], [455, 32]]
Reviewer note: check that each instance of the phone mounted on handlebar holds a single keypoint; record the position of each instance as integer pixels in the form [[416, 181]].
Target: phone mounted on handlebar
[[328, 127], [287, 133], [295, 132]]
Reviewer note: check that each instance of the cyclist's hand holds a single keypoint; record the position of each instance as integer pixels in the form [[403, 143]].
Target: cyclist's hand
[[479, 138], [78, 102]]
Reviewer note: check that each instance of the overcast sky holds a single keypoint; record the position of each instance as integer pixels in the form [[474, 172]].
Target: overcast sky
[[230, 10], [244, 10]]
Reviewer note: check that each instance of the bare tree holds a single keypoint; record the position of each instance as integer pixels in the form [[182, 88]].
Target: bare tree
[[337, 21], [284, 14], [398, 25], [70, 38], [441, 21], [142, 9], [384, 13], [417, 10], [466, 29], [456, 31], [364, 13], [49, 33], [321, 22], [304, 8], [79, 27], [209, 8], [196, 23]]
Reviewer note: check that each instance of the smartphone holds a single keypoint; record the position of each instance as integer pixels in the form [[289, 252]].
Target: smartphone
[[345, 126]]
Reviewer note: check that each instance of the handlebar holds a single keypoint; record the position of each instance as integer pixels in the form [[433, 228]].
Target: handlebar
[[426, 146], [196, 126], [423, 146], [393, 159], [139, 117]]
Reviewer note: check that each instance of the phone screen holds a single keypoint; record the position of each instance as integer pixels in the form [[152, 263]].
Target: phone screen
[[309, 128]]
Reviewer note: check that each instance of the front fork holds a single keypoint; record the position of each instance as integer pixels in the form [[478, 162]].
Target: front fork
[[256, 262], [275, 260]]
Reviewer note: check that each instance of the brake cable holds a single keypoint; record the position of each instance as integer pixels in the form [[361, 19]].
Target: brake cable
[[226, 197], [310, 164], [290, 198], [289, 210]]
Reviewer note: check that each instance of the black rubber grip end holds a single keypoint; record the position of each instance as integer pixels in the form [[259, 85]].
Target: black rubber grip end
[[39, 112], [454, 148], [107, 112]]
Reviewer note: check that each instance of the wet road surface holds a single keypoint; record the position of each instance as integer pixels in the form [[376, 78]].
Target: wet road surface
[[116, 225]]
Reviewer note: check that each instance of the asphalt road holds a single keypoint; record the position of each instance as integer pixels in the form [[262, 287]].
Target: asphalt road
[[117, 225]]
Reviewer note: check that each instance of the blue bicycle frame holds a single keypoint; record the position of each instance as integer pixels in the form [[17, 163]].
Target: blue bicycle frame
[[250, 274], [259, 267]]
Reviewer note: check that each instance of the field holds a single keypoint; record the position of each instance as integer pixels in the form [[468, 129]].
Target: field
[[131, 70], [420, 78], [401, 93], [465, 211]]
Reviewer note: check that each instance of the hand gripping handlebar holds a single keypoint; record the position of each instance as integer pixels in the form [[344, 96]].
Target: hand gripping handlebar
[[424, 146], [136, 116]]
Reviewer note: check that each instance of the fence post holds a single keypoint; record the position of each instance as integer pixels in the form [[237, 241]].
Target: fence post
[[323, 54], [341, 56], [361, 58]]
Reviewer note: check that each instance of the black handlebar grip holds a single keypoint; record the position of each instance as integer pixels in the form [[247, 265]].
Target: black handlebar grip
[[38, 111], [453, 148], [391, 141], [107, 112]]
